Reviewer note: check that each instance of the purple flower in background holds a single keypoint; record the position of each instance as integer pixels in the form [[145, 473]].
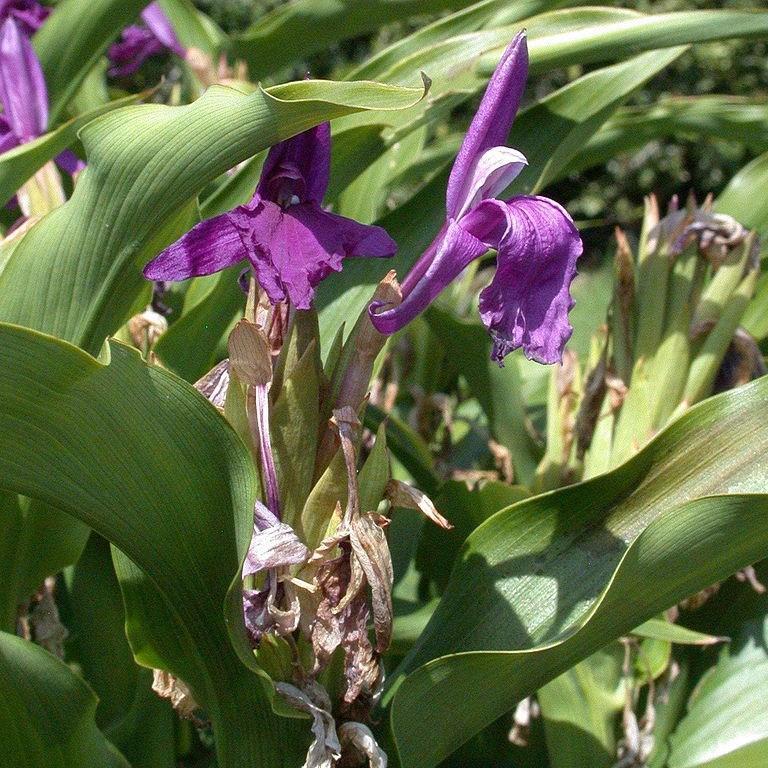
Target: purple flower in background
[[291, 242], [23, 93], [527, 302], [28, 14], [139, 43]]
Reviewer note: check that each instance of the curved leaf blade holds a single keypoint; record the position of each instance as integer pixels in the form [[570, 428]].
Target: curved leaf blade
[[87, 26], [174, 493], [548, 581], [46, 720], [20, 163]]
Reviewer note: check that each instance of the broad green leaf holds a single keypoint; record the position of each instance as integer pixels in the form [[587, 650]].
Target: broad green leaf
[[193, 28], [550, 580], [295, 30], [135, 718], [627, 37], [20, 163], [661, 629], [76, 273], [142, 458], [552, 131], [46, 720], [490, 13], [726, 726], [364, 199], [36, 540], [579, 710], [190, 347], [466, 509], [738, 119], [71, 41]]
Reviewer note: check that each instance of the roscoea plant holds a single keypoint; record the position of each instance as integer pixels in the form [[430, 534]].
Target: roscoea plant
[[244, 539]]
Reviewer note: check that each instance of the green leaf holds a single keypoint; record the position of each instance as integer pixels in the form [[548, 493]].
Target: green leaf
[[46, 720], [606, 40], [661, 629], [295, 30], [498, 389], [20, 163], [76, 273], [190, 347], [550, 580], [739, 199], [465, 509], [134, 717], [415, 49], [174, 493], [71, 41], [407, 446], [726, 725], [193, 28], [690, 117], [36, 540], [579, 711]]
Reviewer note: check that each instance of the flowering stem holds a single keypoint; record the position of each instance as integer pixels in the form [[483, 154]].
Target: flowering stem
[[260, 400]]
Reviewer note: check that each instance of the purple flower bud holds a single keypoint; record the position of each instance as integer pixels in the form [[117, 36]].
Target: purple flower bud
[[23, 92]]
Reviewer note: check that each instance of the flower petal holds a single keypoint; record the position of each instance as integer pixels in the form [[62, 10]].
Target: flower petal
[[492, 121], [22, 85], [527, 302], [160, 26], [212, 245], [293, 249], [491, 174], [454, 250], [28, 13], [8, 138], [298, 166], [272, 544], [68, 161]]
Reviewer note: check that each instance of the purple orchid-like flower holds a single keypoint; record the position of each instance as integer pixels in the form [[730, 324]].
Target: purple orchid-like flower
[[527, 302], [138, 43], [23, 93], [290, 241], [28, 14]]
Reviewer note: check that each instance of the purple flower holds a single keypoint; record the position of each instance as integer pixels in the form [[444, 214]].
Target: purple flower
[[527, 302], [291, 242], [139, 43], [29, 14], [23, 93]]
